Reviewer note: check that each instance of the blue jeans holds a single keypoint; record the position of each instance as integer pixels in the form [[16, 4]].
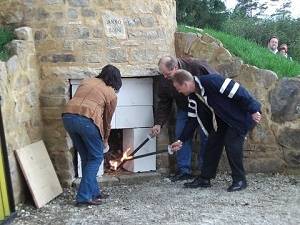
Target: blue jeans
[[87, 141], [184, 156]]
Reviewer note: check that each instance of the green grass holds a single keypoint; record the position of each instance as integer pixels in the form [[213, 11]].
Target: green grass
[[251, 53], [6, 35]]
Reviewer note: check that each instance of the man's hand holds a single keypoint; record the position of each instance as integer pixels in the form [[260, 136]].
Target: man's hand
[[155, 130], [256, 117], [176, 146], [106, 147]]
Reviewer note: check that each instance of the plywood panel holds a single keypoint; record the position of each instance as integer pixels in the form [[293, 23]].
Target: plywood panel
[[39, 173]]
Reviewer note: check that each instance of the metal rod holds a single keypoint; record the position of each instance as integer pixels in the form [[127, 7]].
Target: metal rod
[[135, 151], [145, 155], [6, 164]]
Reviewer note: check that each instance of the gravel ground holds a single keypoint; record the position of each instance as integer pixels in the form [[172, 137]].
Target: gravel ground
[[268, 200]]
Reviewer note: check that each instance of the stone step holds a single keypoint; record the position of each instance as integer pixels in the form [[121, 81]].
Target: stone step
[[123, 178]]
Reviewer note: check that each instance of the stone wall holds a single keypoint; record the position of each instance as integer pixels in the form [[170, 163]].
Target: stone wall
[[75, 38], [19, 89], [273, 146]]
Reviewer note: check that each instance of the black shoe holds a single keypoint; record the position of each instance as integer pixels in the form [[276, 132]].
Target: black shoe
[[88, 203], [237, 186], [181, 176], [198, 182], [101, 196]]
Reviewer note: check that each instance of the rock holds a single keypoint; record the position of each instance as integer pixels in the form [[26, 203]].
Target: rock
[[292, 157], [184, 42], [24, 33], [231, 69], [290, 138], [12, 65], [285, 100]]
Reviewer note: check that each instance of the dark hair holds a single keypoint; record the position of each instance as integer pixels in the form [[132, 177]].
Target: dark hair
[[111, 76], [272, 38]]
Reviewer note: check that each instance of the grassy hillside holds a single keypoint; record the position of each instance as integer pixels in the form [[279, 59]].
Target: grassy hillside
[[251, 53], [6, 35]]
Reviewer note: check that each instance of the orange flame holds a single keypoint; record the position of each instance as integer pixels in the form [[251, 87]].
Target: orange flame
[[114, 163], [126, 155]]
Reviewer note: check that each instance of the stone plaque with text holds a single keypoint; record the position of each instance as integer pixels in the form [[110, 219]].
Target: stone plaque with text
[[114, 26]]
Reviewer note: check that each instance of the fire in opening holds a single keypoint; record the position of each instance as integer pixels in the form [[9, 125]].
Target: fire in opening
[[115, 163]]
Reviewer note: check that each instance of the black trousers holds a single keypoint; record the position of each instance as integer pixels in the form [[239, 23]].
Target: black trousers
[[233, 142]]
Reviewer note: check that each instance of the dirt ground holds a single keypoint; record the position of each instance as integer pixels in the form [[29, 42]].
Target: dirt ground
[[270, 199]]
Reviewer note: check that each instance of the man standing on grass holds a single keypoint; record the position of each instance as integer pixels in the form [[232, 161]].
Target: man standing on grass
[[273, 44], [234, 112], [168, 65]]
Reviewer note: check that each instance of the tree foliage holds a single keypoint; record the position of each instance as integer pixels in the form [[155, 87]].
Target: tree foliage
[[247, 20], [201, 13]]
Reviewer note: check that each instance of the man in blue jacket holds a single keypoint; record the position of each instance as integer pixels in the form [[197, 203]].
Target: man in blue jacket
[[167, 94], [234, 111]]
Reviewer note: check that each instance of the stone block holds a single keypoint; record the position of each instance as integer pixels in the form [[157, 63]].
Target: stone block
[[63, 58], [58, 15], [143, 55], [78, 3], [52, 101], [40, 35], [138, 71], [88, 13], [59, 87], [24, 33], [59, 31], [89, 45], [98, 33], [72, 14], [42, 14], [80, 33], [92, 58], [157, 9], [117, 55], [56, 58], [132, 22], [68, 45], [147, 21], [66, 72], [51, 112], [54, 2]]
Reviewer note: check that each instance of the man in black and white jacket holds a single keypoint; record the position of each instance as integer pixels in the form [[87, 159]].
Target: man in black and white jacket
[[234, 111]]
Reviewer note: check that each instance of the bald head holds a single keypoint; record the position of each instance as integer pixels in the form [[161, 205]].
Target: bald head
[[167, 66]]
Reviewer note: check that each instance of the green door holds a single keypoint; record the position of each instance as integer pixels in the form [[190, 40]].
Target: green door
[[7, 205], [4, 204]]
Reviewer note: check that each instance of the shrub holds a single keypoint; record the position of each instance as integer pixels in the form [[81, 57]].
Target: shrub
[[6, 35]]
